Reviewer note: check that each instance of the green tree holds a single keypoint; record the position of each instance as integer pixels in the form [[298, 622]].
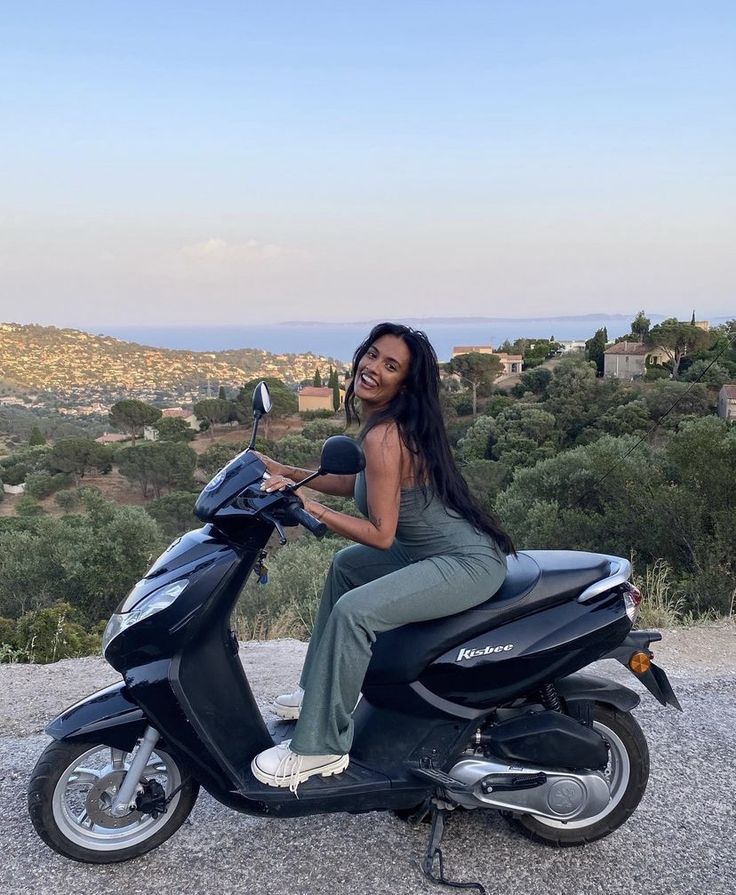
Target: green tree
[[89, 559], [670, 402], [36, 437], [217, 455], [296, 450], [174, 512], [641, 325], [678, 340], [595, 349], [283, 401], [221, 393], [132, 416], [174, 429], [213, 411], [477, 370], [317, 380], [535, 381], [157, 467], [76, 456]]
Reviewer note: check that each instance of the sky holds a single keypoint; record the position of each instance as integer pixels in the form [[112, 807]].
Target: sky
[[241, 162]]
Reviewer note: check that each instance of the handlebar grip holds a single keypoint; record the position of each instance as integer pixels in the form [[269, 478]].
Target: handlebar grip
[[318, 529]]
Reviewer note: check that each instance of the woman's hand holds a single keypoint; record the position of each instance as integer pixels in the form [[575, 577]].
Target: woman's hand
[[273, 467], [276, 483]]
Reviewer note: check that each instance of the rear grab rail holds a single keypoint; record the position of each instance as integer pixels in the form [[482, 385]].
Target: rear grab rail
[[619, 573]]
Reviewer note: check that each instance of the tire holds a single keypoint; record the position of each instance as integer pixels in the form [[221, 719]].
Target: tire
[[71, 788], [627, 773]]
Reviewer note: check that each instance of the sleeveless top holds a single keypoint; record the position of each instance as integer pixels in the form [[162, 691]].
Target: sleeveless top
[[428, 528]]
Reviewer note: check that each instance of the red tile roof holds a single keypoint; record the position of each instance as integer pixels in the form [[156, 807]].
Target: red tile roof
[[730, 390], [628, 348], [313, 391]]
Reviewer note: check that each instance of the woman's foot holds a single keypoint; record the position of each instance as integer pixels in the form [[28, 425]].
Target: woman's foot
[[279, 766], [289, 705]]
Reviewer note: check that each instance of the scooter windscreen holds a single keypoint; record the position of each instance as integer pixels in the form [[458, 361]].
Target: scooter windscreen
[[240, 472]]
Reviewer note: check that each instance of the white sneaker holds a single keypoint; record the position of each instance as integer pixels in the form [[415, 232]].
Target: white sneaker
[[279, 766], [289, 705]]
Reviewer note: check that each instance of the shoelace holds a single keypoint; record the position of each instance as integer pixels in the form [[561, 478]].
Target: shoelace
[[290, 768]]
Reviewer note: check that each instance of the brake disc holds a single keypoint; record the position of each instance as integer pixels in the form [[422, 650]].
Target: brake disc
[[100, 799]]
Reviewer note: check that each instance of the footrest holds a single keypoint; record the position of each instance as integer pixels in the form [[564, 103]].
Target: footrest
[[439, 777]]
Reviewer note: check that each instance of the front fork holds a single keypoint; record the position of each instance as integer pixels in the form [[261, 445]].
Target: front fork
[[125, 798]]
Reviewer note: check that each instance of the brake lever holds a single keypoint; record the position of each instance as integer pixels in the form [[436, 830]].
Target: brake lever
[[277, 525]]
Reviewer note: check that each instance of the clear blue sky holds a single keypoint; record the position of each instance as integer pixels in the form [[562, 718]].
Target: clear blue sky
[[245, 161]]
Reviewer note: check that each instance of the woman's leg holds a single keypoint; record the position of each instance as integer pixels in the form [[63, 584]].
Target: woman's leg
[[351, 567], [431, 588]]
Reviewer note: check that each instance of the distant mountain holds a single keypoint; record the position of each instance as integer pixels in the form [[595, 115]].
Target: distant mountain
[[74, 365]]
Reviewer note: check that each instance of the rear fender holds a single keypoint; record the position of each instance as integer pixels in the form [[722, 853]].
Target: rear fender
[[655, 679], [581, 688], [109, 717]]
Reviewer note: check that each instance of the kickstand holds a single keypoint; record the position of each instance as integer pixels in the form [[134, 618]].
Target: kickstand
[[433, 850]]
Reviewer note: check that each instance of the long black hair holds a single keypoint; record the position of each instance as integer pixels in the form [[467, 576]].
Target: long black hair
[[417, 413]]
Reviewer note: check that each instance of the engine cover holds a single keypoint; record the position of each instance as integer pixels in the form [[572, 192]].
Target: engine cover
[[562, 796]]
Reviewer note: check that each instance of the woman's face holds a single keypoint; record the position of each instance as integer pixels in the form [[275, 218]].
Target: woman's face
[[382, 371]]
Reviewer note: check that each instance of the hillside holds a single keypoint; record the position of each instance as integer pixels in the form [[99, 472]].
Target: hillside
[[78, 367]]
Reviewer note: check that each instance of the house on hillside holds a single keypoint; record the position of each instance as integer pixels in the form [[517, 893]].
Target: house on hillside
[[727, 402], [629, 360], [510, 363], [313, 397], [150, 433]]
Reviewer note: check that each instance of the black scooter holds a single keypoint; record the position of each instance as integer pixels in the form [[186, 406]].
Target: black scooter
[[483, 709]]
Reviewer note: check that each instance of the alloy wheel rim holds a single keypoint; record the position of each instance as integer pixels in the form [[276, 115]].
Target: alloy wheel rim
[[91, 781]]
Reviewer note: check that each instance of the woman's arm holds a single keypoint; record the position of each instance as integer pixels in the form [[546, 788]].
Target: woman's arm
[[383, 454], [338, 485]]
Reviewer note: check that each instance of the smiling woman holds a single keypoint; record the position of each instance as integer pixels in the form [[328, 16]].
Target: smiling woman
[[425, 549]]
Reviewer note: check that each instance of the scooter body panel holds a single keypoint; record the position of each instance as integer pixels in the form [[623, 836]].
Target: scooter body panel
[[519, 656], [110, 716]]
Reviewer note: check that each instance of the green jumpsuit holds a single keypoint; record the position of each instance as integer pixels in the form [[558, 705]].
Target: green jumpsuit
[[437, 565]]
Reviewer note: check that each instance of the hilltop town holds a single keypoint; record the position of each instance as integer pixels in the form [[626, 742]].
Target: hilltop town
[[81, 373]]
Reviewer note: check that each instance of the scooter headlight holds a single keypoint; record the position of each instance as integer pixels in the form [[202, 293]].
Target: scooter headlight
[[155, 602]]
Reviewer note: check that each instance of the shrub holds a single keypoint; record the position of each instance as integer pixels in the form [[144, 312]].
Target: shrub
[[287, 605], [50, 634], [318, 430], [44, 484], [28, 506], [67, 500]]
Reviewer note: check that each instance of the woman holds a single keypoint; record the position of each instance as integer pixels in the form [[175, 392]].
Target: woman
[[425, 549]]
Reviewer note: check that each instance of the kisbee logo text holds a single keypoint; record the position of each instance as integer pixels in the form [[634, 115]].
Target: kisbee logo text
[[483, 651]]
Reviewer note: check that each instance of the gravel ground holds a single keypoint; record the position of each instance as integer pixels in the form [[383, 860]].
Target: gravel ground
[[681, 839]]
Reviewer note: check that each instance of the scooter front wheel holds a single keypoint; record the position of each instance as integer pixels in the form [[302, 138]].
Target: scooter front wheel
[[627, 774], [73, 787]]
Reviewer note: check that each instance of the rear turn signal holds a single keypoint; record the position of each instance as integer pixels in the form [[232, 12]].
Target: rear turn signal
[[640, 662]]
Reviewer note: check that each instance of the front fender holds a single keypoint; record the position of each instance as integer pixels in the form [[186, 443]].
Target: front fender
[[109, 717], [578, 688]]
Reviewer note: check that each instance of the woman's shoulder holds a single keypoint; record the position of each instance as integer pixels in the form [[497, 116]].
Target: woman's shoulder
[[382, 435]]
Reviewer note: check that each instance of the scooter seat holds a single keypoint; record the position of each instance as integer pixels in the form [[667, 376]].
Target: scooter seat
[[536, 579]]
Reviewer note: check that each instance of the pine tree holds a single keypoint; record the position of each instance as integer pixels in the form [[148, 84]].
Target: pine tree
[[317, 381], [36, 437], [221, 394]]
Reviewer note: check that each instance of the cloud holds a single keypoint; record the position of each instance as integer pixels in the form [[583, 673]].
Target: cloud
[[219, 251]]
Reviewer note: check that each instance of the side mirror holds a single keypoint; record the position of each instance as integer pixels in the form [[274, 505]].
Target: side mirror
[[261, 400], [341, 455]]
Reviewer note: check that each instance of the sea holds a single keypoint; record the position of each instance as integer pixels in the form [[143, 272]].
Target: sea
[[339, 340]]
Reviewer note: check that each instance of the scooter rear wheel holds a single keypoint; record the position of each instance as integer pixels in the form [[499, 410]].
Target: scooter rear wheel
[[627, 773], [71, 791]]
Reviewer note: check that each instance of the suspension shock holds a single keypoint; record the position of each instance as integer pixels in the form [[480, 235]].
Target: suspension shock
[[550, 697]]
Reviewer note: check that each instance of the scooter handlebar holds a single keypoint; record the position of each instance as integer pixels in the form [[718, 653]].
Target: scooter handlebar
[[317, 528]]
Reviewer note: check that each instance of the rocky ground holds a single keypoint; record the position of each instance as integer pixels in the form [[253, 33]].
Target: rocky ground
[[680, 840]]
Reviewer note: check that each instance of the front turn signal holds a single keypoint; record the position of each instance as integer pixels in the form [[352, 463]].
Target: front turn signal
[[640, 662]]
